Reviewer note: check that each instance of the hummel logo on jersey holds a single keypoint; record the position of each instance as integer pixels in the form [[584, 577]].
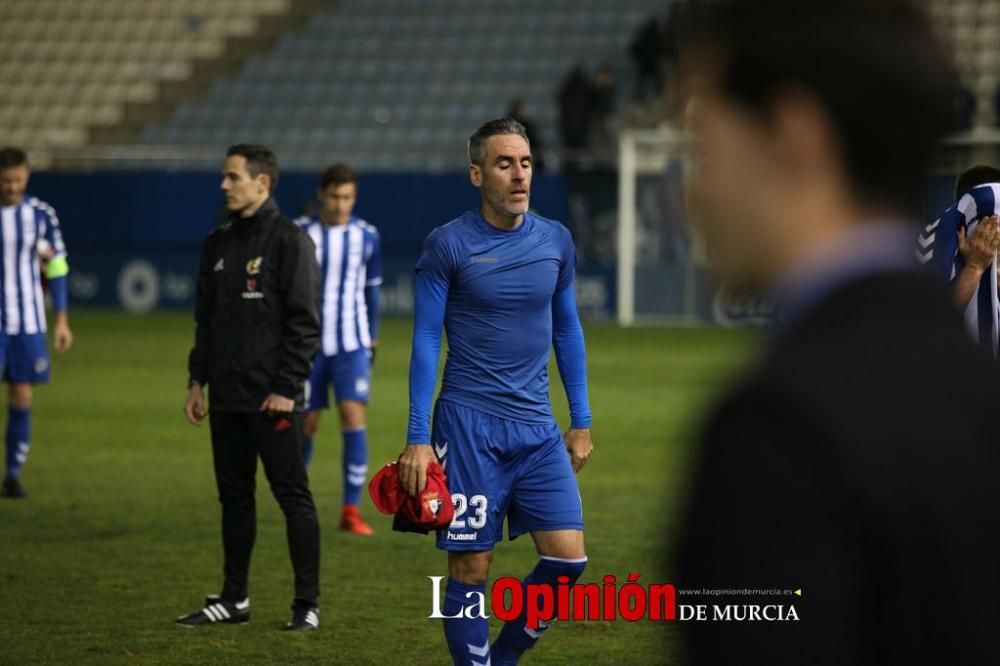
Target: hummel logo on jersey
[[218, 266]]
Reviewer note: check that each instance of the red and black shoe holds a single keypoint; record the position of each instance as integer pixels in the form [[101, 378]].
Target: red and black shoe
[[351, 521]]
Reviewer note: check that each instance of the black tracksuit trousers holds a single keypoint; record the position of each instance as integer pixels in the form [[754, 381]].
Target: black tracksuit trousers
[[238, 438]]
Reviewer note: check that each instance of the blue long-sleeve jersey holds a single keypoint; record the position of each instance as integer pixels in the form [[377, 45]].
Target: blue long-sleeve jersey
[[504, 299]]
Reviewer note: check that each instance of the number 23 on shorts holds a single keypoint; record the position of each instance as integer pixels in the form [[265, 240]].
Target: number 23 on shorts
[[474, 506]]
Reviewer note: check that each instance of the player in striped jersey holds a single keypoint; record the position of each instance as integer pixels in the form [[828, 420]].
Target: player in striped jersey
[[962, 244], [30, 242], [349, 255]]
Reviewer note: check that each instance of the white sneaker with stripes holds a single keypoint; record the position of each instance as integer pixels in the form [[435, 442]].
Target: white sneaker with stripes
[[217, 611], [304, 618]]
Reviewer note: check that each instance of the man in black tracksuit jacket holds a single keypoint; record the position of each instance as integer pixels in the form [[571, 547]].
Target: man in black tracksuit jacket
[[257, 330]]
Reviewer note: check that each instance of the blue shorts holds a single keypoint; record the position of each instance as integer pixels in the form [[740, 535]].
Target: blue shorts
[[348, 373], [499, 469], [24, 358]]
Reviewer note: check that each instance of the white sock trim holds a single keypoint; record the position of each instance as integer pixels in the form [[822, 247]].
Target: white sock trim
[[563, 559]]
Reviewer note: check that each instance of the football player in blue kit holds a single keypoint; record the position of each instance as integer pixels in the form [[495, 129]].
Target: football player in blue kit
[[30, 245], [499, 281], [350, 260]]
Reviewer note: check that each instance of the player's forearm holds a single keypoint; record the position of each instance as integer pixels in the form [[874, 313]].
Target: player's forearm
[[423, 377], [204, 305], [571, 356], [300, 293], [963, 289], [372, 303], [197, 367], [59, 290], [299, 347], [428, 320], [197, 359]]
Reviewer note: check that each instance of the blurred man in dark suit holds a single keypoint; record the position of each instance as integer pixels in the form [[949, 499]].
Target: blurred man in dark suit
[[859, 460]]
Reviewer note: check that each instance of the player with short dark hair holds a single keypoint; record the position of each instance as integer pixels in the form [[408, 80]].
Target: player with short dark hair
[[961, 246], [979, 174], [350, 260], [30, 245], [499, 280], [259, 160], [256, 332]]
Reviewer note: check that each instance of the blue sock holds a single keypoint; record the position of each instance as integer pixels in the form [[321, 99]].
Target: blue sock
[[18, 440], [515, 638], [468, 638], [355, 464], [307, 450]]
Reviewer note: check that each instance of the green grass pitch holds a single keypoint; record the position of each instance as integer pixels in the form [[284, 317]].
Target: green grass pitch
[[121, 533]]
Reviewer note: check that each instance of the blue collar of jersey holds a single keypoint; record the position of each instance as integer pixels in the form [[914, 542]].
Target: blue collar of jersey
[[489, 227]]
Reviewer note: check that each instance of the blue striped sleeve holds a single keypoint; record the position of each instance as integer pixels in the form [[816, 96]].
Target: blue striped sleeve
[[937, 244]]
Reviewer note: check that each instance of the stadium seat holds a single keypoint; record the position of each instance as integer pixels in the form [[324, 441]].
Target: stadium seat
[[406, 64], [112, 51], [355, 74]]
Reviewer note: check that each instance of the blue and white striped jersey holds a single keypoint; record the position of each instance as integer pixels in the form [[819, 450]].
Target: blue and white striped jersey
[[350, 261], [937, 247], [27, 229]]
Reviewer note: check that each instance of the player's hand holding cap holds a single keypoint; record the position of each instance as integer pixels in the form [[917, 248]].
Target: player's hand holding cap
[[430, 509]]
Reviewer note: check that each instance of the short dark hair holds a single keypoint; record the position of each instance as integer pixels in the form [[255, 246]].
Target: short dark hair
[[260, 159], [477, 142], [975, 175], [11, 157], [338, 174], [877, 67]]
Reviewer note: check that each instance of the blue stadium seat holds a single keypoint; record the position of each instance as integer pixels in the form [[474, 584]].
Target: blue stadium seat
[[439, 67]]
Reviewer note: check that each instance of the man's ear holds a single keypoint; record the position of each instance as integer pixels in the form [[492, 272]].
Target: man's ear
[[476, 174], [264, 181]]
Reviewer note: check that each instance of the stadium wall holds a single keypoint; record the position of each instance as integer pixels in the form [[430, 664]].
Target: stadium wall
[[134, 237]]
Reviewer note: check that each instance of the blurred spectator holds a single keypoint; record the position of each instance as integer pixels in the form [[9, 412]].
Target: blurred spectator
[[603, 94], [519, 113], [670, 35], [647, 51], [587, 113], [965, 107], [996, 107], [574, 114], [603, 97]]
